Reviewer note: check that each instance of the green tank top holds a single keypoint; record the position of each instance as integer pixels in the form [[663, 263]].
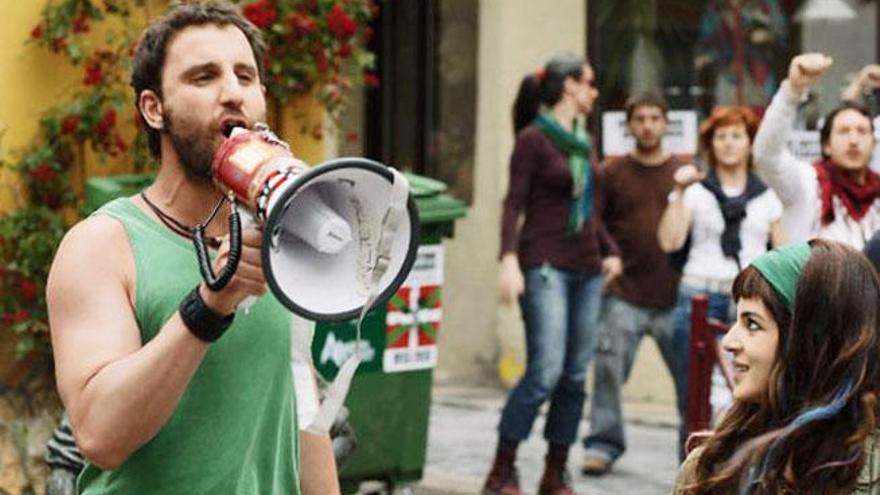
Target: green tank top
[[234, 430]]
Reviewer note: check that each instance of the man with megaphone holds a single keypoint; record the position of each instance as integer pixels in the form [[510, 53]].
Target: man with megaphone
[[170, 386]]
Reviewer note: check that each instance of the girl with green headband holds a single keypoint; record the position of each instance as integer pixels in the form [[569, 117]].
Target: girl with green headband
[[806, 408], [552, 263]]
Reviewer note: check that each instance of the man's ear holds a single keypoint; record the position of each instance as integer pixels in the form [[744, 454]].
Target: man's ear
[[150, 106]]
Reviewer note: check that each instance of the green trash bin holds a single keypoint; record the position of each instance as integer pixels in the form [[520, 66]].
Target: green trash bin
[[390, 395], [99, 190]]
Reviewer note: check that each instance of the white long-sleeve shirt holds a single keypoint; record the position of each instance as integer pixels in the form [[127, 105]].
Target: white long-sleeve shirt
[[796, 184]]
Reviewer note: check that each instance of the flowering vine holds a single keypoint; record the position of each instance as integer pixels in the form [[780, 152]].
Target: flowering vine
[[316, 47]]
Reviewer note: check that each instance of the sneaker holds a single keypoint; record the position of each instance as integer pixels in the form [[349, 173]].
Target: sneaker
[[502, 480], [556, 482], [595, 466]]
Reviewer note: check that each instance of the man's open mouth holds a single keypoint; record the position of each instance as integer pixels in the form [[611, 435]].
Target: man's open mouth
[[227, 125]]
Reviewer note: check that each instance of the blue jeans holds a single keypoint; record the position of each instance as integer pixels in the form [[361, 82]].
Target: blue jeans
[[621, 331], [560, 310]]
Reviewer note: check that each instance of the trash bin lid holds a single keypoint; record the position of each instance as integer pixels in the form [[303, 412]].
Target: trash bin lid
[[434, 205], [422, 186]]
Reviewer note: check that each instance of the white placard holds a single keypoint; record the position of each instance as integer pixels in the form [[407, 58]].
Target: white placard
[[804, 145], [414, 315]]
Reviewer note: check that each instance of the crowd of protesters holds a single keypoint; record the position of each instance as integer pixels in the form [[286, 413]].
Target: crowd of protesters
[[775, 245]]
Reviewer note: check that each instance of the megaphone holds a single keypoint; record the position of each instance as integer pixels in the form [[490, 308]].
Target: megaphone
[[338, 239]]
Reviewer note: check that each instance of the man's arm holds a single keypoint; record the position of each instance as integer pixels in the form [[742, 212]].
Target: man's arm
[[318, 466], [773, 162], [118, 391]]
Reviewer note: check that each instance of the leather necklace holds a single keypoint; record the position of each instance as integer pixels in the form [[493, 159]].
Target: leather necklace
[[179, 228]]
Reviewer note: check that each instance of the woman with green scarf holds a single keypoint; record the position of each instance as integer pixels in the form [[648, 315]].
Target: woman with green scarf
[[806, 405], [553, 263]]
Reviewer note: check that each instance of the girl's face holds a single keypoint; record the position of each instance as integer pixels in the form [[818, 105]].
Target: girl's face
[[753, 340], [583, 91], [731, 146]]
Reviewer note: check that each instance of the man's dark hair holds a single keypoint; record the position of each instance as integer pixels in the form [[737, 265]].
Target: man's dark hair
[[648, 98], [149, 58], [825, 132]]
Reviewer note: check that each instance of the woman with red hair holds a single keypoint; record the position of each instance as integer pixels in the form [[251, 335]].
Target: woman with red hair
[[718, 222]]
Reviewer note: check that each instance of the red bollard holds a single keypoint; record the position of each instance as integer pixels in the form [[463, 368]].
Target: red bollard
[[704, 352]]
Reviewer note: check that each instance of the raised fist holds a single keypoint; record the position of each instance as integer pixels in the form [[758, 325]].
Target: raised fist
[[687, 175], [806, 68]]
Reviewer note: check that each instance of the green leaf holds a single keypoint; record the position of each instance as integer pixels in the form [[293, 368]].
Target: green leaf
[[74, 51]]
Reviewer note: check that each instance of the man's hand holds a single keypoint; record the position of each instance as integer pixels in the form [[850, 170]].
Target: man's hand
[[248, 279], [511, 284], [869, 76], [805, 69], [687, 175], [867, 79], [612, 267]]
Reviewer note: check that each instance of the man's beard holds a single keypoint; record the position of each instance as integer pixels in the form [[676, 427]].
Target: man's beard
[[649, 147], [195, 148]]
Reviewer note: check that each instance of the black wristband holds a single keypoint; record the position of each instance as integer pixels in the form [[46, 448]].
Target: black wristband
[[201, 320]]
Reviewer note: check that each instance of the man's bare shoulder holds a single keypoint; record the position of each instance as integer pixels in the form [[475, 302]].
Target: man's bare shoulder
[[97, 232], [95, 247]]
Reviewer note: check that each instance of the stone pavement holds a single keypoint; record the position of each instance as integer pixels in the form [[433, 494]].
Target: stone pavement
[[462, 439]]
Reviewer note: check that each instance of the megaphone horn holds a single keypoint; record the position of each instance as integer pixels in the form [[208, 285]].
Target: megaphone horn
[[336, 237]]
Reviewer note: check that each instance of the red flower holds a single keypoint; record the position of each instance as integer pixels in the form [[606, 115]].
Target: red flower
[[307, 6], [81, 24], [59, 44], [120, 143], [43, 173], [371, 79], [37, 32], [344, 50], [28, 290], [340, 23], [21, 315], [107, 122], [302, 25], [69, 124], [352, 137], [8, 318], [94, 74], [261, 13], [320, 57]]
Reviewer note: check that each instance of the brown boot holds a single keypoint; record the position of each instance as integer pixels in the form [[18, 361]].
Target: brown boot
[[503, 478], [556, 480]]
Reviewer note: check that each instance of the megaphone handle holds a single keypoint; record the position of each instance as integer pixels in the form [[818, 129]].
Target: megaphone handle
[[215, 282]]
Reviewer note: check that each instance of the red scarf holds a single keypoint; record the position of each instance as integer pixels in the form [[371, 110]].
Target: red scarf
[[856, 198]]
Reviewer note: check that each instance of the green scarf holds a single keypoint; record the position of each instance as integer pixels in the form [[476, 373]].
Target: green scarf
[[782, 267], [577, 146]]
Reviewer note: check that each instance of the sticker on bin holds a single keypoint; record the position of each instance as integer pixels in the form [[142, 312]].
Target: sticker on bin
[[414, 315]]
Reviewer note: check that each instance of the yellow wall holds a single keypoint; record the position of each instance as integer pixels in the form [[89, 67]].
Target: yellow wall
[[34, 79]]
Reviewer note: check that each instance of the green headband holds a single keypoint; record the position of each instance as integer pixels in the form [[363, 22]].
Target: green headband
[[782, 267]]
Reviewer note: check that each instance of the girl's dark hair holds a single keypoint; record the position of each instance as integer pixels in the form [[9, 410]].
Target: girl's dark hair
[[149, 57], [545, 87], [825, 132], [826, 376]]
